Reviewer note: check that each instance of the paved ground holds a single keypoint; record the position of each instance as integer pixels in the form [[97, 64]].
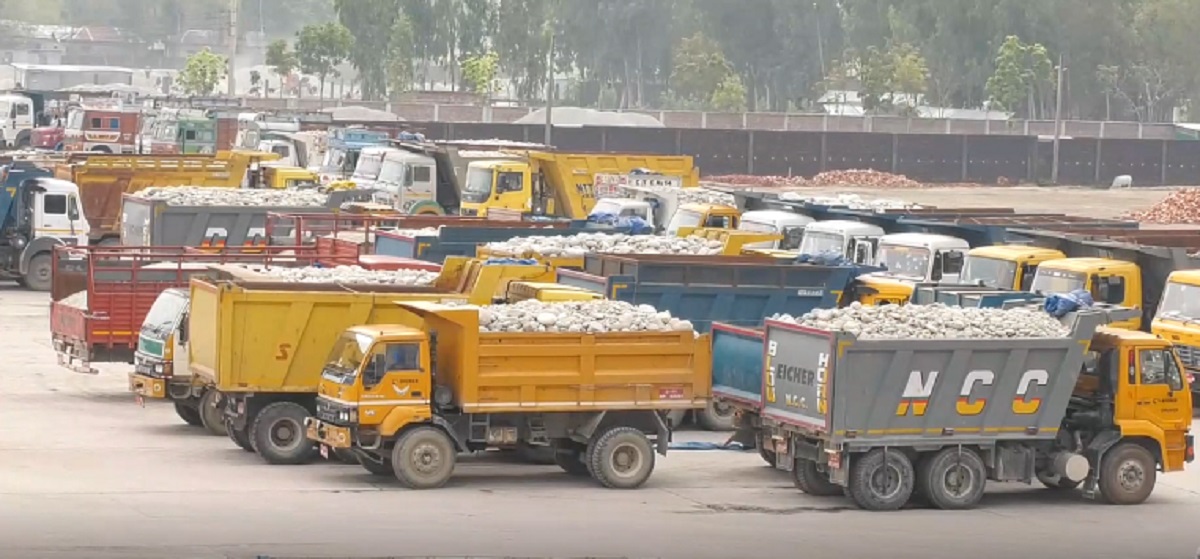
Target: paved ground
[[86, 473]]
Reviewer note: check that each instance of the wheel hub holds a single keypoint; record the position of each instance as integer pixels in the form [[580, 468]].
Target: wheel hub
[[284, 434], [626, 460], [427, 458], [958, 480], [885, 481], [1131, 475]]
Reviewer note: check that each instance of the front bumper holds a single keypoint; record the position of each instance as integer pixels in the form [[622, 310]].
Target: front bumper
[[328, 434], [147, 386]]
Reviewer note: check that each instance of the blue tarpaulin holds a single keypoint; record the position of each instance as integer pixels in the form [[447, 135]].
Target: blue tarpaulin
[[1059, 304]]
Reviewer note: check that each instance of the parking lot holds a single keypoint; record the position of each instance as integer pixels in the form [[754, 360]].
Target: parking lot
[[84, 472]]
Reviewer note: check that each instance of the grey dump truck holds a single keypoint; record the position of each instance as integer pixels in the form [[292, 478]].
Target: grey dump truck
[[882, 421]]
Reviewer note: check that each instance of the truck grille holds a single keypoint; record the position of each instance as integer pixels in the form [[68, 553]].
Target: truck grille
[[328, 411], [1189, 355]]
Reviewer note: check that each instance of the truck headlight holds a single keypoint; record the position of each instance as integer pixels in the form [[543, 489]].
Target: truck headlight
[[158, 368], [348, 416]]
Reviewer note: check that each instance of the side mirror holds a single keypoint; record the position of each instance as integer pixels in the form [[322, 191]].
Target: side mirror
[[183, 329]]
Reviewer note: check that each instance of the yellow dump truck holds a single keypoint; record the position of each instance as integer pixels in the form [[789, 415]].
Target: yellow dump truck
[[261, 345], [407, 397], [557, 184], [104, 179], [1006, 266]]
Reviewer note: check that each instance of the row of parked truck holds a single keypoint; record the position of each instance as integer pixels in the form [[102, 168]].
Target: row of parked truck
[[218, 347]]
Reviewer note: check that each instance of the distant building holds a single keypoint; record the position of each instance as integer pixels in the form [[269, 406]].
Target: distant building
[[45, 77], [842, 102]]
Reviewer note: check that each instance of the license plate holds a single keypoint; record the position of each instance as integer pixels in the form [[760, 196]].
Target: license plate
[[139, 400], [325, 452]]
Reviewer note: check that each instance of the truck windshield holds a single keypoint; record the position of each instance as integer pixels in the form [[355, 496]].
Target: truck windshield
[[164, 315], [1057, 281], [991, 272], [347, 355], [684, 218], [904, 261], [368, 167], [392, 172], [479, 185], [817, 242], [608, 206], [1180, 301]]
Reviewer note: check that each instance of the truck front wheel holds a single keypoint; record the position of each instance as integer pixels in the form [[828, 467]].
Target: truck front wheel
[[1127, 474], [188, 414], [953, 479], [279, 435], [621, 458], [881, 480], [212, 417], [810, 479], [424, 458], [38, 276]]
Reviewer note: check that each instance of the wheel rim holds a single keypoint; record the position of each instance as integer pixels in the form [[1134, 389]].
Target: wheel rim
[[1130, 475], [427, 459], [885, 482], [722, 410], [958, 481], [625, 460], [285, 434]]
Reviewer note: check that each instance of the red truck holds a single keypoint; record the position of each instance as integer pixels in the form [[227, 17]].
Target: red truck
[[47, 137], [100, 295]]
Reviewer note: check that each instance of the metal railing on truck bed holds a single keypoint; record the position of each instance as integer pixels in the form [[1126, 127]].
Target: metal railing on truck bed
[[737, 290], [100, 295]]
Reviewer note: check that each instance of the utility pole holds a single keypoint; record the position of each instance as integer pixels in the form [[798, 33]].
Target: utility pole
[[1058, 102], [232, 41], [549, 88]]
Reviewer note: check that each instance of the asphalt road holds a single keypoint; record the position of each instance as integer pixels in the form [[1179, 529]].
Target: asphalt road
[[84, 472]]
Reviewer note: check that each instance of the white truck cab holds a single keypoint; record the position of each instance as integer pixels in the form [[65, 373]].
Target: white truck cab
[[625, 207], [790, 225], [38, 215], [408, 178], [17, 120], [922, 256], [853, 240]]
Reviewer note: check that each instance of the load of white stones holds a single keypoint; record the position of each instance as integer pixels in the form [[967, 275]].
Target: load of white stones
[[931, 322], [590, 317], [346, 275], [214, 196], [608, 243]]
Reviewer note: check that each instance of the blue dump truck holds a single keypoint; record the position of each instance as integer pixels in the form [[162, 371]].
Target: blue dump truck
[[37, 213], [730, 296], [463, 241]]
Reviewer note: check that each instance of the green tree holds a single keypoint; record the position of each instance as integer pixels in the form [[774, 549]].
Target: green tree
[[479, 73], [372, 23], [203, 71], [729, 96], [321, 48], [1006, 88], [699, 69], [281, 59], [399, 68]]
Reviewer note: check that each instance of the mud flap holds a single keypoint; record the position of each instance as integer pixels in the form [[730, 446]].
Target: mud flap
[[1095, 453]]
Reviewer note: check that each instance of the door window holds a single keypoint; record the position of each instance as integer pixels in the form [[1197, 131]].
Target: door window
[[508, 182], [55, 204], [421, 174], [1158, 368], [403, 357]]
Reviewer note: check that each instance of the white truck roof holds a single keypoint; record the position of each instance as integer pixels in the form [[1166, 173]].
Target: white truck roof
[[776, 217], [845, 227], [924, 240]]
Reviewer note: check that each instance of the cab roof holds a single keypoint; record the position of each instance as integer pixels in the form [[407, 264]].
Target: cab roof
[[375, 330], [844, 226], [1127, 335], [775, 216], [1189, 277], [1022, 253], [924, 240], [697, 207], [1088, 264]]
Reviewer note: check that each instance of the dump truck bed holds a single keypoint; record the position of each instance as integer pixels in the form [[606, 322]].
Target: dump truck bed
[[739, 291], [100, 295], [868, 393], [463, 241], [563, 372], [737, 365]]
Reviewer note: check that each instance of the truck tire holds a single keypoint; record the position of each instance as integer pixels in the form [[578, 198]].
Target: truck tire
[[954, 478], [239, 437], [1127, 474], [571, 458], [810, 479], [279, 435], [716, 417], [212, 417], [424, 458], [621, 458], [188, 414], [881, 481], [38, 277]]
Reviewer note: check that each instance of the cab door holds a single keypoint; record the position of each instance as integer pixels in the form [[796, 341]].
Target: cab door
[[395, 377], [1161, 398], [512, 191], [51, 219]]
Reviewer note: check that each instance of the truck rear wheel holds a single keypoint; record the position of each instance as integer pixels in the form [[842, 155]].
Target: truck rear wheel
[[212, 417], [571, 458], [38, 277], [239, 437], [810, 479], [424, 458], [621, 458], [881, 481], [188, 414], [279, 435], [716, 417], [953, 479], [1127, 474]]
